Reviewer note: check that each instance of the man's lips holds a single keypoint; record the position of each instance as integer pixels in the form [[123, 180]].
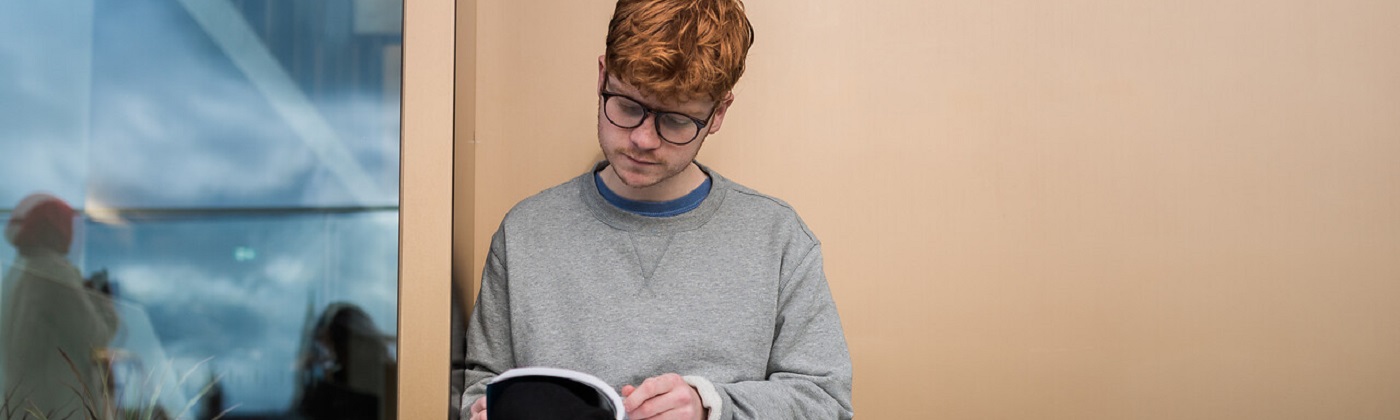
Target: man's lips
[[638, 161]]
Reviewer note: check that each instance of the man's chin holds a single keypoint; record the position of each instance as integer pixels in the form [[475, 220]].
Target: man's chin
[[639, 182], [635, 180]]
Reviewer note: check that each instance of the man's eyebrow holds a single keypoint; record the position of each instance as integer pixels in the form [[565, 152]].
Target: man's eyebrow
[[654, 108]]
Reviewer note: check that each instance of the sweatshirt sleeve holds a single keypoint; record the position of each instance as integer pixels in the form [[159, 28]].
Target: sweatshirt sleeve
[[809, 368], [458, 357], [490, 349]]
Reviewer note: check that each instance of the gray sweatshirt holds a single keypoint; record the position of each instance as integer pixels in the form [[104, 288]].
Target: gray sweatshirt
[[730, 295]]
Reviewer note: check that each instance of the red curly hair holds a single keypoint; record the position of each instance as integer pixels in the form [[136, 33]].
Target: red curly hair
[[678, 50]]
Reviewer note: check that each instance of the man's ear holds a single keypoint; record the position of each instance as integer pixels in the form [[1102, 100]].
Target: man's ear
[[720, 111], [602, 71]]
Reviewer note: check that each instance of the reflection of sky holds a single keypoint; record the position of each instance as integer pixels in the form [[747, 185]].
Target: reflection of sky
[[239, 290], [44, 67], [133, 104], [168, 100]]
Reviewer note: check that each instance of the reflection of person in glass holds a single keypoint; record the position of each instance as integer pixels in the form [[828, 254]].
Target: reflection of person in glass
[[53, 328], [346, 371]]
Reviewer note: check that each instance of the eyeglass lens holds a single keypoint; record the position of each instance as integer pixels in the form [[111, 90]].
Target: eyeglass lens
[[673, 127]]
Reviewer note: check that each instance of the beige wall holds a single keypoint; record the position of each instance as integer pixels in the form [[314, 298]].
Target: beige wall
[[1051, 210], [426, 206]]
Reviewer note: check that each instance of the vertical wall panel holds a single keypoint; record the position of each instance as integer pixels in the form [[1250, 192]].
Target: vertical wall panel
[[1044, 210], [426, 241]]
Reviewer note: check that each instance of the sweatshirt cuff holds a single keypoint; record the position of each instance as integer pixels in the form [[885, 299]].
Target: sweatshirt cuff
[[709, 397]]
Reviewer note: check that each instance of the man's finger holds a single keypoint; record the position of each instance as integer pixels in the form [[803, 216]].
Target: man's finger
[[649, 388], [661, 396], [672, 403], [478, 409]]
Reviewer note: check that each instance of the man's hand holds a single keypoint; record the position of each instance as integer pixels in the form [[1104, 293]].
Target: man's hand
[[665, 397], [479, 408]]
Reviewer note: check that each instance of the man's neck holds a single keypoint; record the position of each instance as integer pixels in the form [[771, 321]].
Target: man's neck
[[666, 190]]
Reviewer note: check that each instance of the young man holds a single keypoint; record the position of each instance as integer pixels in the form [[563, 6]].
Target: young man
[[699, 297]]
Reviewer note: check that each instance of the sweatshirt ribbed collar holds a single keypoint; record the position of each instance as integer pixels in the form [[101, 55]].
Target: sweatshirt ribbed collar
[[626, 221]]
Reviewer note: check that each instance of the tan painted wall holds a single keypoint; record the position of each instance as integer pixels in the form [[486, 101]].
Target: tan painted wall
[[425, 210], [1050, 210]]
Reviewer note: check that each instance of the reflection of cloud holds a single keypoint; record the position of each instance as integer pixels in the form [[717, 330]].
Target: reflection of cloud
[[171, 121], [241, 44], [204, 150], [44, 72], [34, 163], [132, 105], [171, 283], [370, 131], [286, 271], [142, 364], [175, 108], [253, 333], [249, 314]]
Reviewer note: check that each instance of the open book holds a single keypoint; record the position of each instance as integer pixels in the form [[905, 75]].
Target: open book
[[607, 398]]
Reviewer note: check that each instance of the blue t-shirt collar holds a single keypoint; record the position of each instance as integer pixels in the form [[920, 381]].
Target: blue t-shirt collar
[[669, 208]]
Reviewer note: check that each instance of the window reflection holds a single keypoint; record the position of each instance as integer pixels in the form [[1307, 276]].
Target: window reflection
[[54, 325], [345, 368], [232, 173]]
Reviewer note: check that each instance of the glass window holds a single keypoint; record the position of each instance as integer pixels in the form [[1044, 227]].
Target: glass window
[[232, 170]]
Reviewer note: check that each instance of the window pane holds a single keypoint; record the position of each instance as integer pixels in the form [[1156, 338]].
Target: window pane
[[233, 169], [250, 103]]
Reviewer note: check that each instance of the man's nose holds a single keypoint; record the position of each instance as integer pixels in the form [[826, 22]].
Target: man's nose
[[644, 136]]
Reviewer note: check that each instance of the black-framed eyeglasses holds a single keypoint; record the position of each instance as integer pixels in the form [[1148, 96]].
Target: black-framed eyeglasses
[[673, 127]]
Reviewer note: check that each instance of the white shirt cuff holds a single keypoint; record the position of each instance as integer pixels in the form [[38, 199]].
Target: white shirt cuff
[[709, 397]]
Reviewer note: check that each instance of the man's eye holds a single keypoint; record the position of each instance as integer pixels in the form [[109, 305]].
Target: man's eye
[[676, 120], [629, 107]]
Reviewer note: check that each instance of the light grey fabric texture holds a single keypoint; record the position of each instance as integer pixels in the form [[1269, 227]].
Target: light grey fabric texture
[[732, 291]]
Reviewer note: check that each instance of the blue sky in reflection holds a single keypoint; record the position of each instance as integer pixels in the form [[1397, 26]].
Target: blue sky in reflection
[[240, 289], [136, 104]]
